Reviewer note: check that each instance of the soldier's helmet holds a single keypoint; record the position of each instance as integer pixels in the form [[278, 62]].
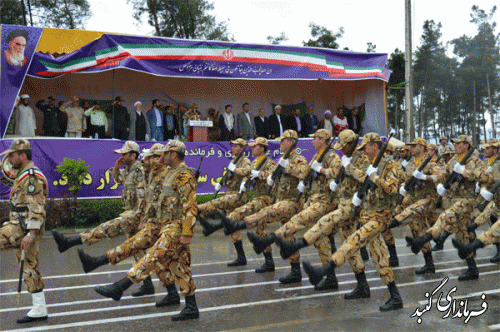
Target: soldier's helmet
[[129, 146], [289, 134], [345, 137], [322, 133]]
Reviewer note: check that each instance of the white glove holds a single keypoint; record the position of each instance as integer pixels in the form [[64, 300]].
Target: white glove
[[316, 166], [459, 168], [486, 194], [333, 185], [254, 174], [217, 187], [355, 200], [488, 170], [283, 162], [242, 187], [419, 175], [478, 188], [371, 170], [269, 181], [405, 163], [231, 167], [441, 190], [345, 160], [402, 191], [301, 187]]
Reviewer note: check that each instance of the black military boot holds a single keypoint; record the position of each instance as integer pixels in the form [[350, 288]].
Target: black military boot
[[64, 243], [114, 291], [362, 290], [496, 258], [330, 282], [268, 265], [317, 273], [429, 264], [240, 259], [364, 254], [493, 218], [393, 255], [417, 243], [332, 243], [231, 226], [395, 302], [90, 263], [464, 250], [394, 223], [288, 248], [190, 311], [440, 241], [471, 273], [146, 288], [294, 276], [209, 228], [260, 243], [472, 226], [171, 298]]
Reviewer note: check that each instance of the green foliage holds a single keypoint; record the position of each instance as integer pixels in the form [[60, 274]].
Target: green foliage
[[65, 14], [74, 171], [324, 38], [277, 40], [370, 47], [93, 212], [11, 12]]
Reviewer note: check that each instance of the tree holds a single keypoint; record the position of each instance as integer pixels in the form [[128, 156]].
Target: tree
[[324, 38], [277, 40], [370, 47], [187, 19], [396, 92], [11, 12]]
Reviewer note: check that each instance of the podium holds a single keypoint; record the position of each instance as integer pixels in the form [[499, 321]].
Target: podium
[[198, 130]]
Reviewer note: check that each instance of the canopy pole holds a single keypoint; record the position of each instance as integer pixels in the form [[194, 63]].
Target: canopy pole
[[113, 101]]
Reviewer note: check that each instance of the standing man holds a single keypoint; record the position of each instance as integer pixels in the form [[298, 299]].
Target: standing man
[[98, 121], [25, 118], [51, 116], [139, 124], [340, 121], [310, 122], [76, 120], [261, 123], [298, 123], [227, 124], [121, 119], [327, 123], [246, 127], [26, 224], [155, 118], [277, 123], [170, 127]]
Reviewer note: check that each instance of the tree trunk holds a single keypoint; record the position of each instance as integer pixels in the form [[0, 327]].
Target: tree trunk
[[154, 13]]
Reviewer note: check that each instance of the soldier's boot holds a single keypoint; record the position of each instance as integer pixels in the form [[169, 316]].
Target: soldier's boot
[[209, 228], [395, 302], [440, 241], [362, 290], [171, 298], [190, 311], [316, 274], [464, 250], [330, 282], [471, 273], [496, 258], [364, 254], [64, 243], [332, 243], [90, 263], [493, 218], [231, 226], [146, 288], [288, 248], [114, 291], [260, 243], [428, 266], [38, 311], [393, 255], [268, 265], [416, 244], [394, 223], [294, 276], [240, 259]]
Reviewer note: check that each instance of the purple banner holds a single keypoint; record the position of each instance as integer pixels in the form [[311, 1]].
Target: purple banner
[[18, 46]]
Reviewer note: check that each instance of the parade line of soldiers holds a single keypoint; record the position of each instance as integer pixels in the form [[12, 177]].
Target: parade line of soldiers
[[371, 189]]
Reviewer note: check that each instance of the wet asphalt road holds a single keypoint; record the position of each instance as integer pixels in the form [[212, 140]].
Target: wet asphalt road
[[237, 299]]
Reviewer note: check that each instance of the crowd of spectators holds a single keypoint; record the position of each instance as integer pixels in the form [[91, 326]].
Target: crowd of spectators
[[161, 122]]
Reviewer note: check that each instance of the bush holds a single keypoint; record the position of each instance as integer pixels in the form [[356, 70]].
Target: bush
[[74, 172], [94, 212]]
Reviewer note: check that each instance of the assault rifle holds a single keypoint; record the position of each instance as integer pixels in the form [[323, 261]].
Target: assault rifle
[[341, 176], [197, 174], [228, 175], [279, 170], [413, 181], [493, 189], [251, 182]]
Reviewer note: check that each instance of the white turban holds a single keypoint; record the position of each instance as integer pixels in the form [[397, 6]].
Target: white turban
[[328, 112], [25, 96], [137, 103]]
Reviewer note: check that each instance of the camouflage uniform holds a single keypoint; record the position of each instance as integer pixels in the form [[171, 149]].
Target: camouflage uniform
[[492, 235], [492, 207]]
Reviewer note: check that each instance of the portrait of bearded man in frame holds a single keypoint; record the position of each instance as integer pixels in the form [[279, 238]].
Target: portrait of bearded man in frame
[[17, 40]]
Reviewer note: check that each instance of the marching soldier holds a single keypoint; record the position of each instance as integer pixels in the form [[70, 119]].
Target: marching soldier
[[170, 255], [24, 230], [230, 200], [492, 235]]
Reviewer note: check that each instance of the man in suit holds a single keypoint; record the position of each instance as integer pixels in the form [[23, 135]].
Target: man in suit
[[155, 118], [277, 123], [310, 122], [227, 124], [354, 118], [261, 123], [245, 125], [295, 122], [170, 127]]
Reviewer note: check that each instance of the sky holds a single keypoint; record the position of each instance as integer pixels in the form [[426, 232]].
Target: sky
[[379, 22]]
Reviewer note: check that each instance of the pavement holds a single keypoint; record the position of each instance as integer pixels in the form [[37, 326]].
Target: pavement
[[238, 299]]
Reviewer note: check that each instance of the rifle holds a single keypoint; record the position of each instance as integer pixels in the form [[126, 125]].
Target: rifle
[[341, 176], [412, 182], [311, 176], [228, 175], [251, 182], [279, 170], [493, 189], [20, 283], [197, 174], [454, 177]]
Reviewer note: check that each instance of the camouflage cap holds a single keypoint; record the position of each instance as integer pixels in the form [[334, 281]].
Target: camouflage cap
[[433, 147], [289, 134], [448, 150], [419, 140], [492, 143], [239, 141], [369, 138], [151, 151], [129, 146], [443, 138], [390, 147], [322, 133], [260, 141], [463, 138], [345, 137], [175, 145], [19, 144]]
